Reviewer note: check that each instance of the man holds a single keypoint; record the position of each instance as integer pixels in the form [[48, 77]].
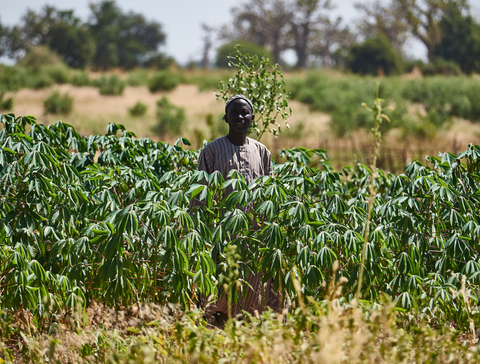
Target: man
[[252, 159]]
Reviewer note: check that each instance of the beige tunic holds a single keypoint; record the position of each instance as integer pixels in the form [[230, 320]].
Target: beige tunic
[[252, 160]]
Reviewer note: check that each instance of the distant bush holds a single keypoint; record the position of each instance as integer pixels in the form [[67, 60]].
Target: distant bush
[[138, 109], [38, 57], [441, 67], [229, 50], [218, 127], [40, 80], [138, 77], [110, 85], [170, 118], [80, 79], [159, 61], [374, 56], [12, 78], [6, 104], [58, 104], [163, 81]]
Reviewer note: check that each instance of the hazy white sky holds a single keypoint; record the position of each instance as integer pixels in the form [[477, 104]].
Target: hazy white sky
[[181, 19]]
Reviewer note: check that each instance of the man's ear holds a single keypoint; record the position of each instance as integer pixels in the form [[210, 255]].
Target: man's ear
[[253, 116], [225, 118]]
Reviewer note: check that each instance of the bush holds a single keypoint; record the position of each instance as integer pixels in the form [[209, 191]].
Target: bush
[[138, 109], [6, 104], [217, 125], [58, 104], [80, 79], [110, 85], [374, 56], [228, 49], [441, 67], [12, 78], [163, 81], [170, 118], [39, 57], [138, 78]]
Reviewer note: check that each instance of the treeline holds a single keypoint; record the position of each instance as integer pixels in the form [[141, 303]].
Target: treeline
[[374, 44], [109, 38]]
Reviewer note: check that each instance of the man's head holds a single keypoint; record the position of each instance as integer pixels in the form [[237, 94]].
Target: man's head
[[239, 113]]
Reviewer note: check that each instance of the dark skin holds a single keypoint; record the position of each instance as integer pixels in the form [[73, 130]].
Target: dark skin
[[239, 116]]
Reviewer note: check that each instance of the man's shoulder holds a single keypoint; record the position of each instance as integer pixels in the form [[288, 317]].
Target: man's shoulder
[[258, 145], [214, 143]]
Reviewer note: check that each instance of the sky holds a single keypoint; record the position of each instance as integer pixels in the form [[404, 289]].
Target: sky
[[181, 19]]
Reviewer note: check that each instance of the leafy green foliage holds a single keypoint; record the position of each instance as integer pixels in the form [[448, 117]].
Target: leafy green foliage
[[374, 56], [264, 85], [163, 81], [342, 97], [5, 104], [58, 104], [112, 85], [118, 229], [170, 118], [138, 109]]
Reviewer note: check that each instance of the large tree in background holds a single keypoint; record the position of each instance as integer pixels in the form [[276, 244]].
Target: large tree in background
[[328, 39], [460, 39], [123, 40], [423, 17], [263, 22], [382, 18], [61, 31], [309, 16], [279, 25]]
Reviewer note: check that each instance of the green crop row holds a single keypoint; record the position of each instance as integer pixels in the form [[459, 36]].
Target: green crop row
[[119, 229]]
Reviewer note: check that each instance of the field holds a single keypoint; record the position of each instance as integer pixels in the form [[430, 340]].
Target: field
[[430, 115], [103, 260]]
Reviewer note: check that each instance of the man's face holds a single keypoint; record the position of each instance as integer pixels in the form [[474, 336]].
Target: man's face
[[239, 116]]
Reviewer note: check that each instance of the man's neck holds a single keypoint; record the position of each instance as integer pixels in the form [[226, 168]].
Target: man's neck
[[237, 139]]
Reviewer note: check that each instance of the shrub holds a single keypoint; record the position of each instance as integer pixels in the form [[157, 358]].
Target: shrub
[[138, 109], [217, 125], [374, 56], [110, 85], [6, 104], [80, 79], [441, 67], [58, 104], [170, 118], [38, 57], [138, 78], [12, 78], [60, 74], [163, 81]]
